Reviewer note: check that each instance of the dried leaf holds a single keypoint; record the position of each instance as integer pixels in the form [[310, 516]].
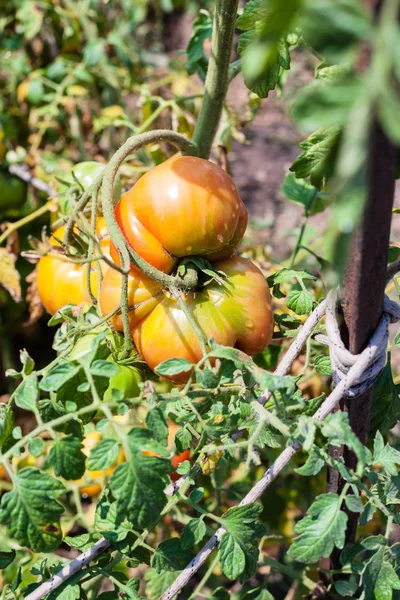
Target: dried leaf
[[33, 299], [9, 277]]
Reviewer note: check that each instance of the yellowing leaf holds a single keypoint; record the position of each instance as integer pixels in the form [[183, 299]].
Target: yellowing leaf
[[9, 277], [208, 462], [22, 90], [113, 112], [77, 90]]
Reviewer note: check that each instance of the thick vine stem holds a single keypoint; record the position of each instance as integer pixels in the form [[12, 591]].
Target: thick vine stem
[[217, 79]]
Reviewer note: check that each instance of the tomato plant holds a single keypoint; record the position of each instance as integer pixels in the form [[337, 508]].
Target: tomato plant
[[185, 206], [183, 434]]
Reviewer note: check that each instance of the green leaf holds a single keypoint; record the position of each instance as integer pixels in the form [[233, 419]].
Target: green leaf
[[201, 30], [32, 512], [183, 439], [170, 556], [300, 302], [27, 362], [157, 423], [299, 191], [232, 556], [67, 458], [313, 464], [36, 446], [59, 376], [68, 591], [346, 588], [158, 583], [354, 503], [6, 558], [174, 366], [394, 254], [322, 365], [327, 103], [379, 577], [103, 368], [93, 52], [103, 455], [285, 275], [265, 43], [138, 485], [387, 456], [334, 28], [337, 430], [258, 594], [385, 410], [27, 393], [110, 522], [242, 522], [386, 582], [6, 427], [35, 91], [317, 158], [193, 533], [82, 542], [323, 528]]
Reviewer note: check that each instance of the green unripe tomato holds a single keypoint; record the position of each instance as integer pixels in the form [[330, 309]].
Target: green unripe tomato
[[12, 191], [86, 173], [126, 381], [83, 346]]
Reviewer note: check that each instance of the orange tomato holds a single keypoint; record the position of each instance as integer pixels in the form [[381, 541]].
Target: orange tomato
[[176, 461], [237, 313], [61, 282], [92, 480], [186, 206]]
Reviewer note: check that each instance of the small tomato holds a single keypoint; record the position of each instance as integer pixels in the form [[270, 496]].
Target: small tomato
[[61, 282], [176, 461]]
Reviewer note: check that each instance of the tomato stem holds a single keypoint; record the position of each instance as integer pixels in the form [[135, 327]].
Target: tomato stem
[[217, 78], [50, 206]]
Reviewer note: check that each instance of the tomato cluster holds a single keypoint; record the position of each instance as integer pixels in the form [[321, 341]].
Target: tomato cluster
[[184, 207]]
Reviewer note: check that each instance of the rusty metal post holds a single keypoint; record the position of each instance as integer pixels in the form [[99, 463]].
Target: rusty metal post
[[365, 279]]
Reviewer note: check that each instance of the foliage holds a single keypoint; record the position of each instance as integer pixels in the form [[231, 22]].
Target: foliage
[[72, 74]]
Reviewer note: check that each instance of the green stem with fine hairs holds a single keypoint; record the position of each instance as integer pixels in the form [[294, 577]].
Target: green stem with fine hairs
[[217, 79], [126, 253]]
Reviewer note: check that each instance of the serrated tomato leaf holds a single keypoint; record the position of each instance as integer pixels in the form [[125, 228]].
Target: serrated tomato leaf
[[32, 511], [67, 458]]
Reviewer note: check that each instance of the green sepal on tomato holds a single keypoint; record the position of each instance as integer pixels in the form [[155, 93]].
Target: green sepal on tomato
[[126, 380]]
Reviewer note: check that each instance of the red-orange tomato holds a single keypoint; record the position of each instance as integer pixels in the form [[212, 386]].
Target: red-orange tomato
[[61, 282], [176, 461], [237, 313], [184, 207]]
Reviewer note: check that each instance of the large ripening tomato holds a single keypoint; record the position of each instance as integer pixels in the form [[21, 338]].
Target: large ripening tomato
[[237, 313], [184, 207], [61, 282]]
